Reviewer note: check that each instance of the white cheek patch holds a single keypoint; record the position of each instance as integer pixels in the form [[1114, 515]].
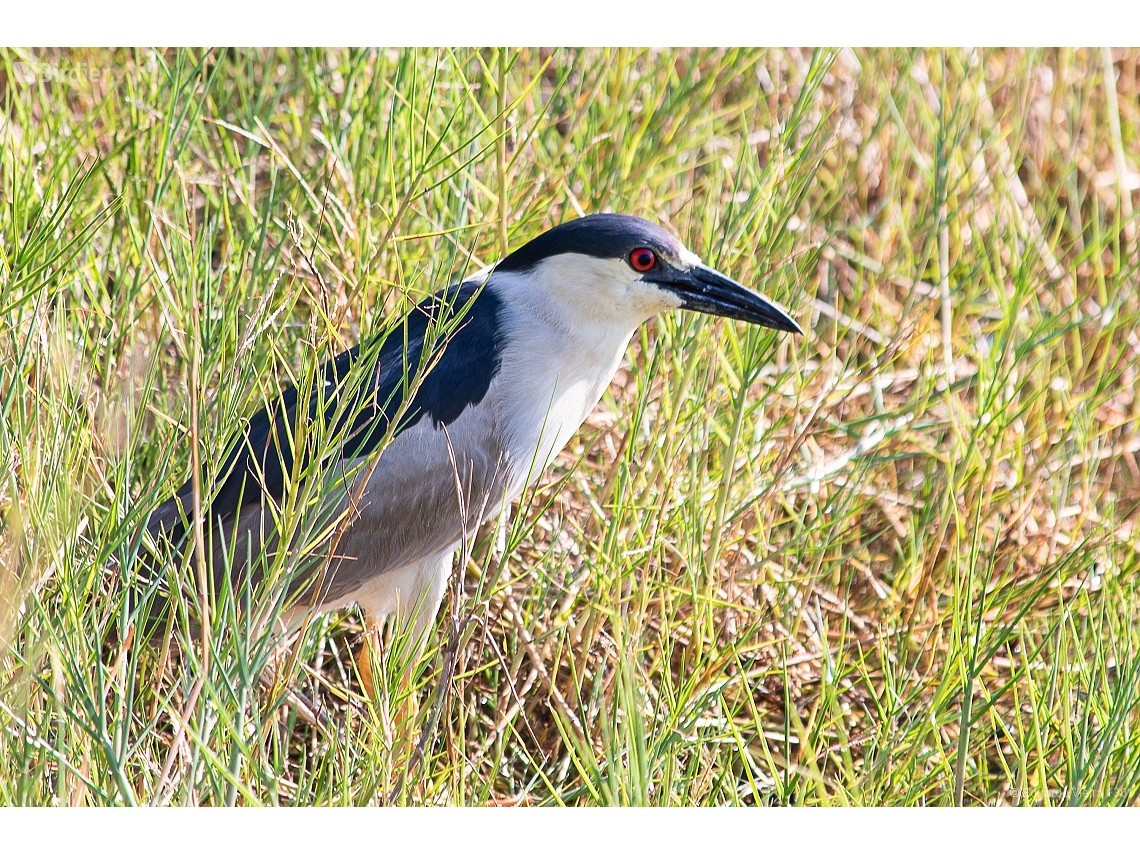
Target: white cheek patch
[[691, 259], [667, 299], [580, 289]]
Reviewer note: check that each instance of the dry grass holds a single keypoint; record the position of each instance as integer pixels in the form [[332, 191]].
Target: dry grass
[[892, 562]]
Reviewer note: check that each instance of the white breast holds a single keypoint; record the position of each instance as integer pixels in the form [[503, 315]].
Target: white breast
[[552, 376]]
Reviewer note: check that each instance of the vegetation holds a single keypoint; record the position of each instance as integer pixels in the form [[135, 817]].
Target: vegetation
[[890, 562]]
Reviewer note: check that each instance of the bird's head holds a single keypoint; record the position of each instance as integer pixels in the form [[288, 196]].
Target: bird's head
[[623, 269]]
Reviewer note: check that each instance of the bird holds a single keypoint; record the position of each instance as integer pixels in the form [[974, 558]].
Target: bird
[[463, 421]]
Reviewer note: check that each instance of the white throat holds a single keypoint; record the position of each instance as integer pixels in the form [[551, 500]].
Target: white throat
[[575, 314]]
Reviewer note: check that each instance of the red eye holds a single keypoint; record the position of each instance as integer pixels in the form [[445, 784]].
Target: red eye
[[642, 259]]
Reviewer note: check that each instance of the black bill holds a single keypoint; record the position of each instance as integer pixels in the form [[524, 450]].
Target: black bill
[[702, 289]]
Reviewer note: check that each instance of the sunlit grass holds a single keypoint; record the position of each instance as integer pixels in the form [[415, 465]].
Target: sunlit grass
[[890, 562]]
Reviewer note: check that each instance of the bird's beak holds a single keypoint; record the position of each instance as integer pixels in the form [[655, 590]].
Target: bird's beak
[[702, 289]]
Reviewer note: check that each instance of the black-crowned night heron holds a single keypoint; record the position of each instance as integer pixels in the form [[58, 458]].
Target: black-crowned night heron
[[535, 343]]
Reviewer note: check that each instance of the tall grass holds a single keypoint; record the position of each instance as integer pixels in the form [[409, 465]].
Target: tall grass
[[890, 562]]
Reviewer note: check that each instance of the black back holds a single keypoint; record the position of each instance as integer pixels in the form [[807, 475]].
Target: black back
[[262, 456]]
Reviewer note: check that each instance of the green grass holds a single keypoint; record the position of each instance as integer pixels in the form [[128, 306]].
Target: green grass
[[891, 562]]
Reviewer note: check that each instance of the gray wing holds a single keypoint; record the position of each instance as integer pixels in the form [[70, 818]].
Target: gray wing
[[410, 508], [358, 407], [255, 472]]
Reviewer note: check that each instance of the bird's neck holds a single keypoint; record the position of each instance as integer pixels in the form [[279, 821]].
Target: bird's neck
[[556, 366]]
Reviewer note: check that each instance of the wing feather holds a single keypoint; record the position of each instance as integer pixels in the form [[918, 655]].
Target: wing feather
[[359, 393]]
